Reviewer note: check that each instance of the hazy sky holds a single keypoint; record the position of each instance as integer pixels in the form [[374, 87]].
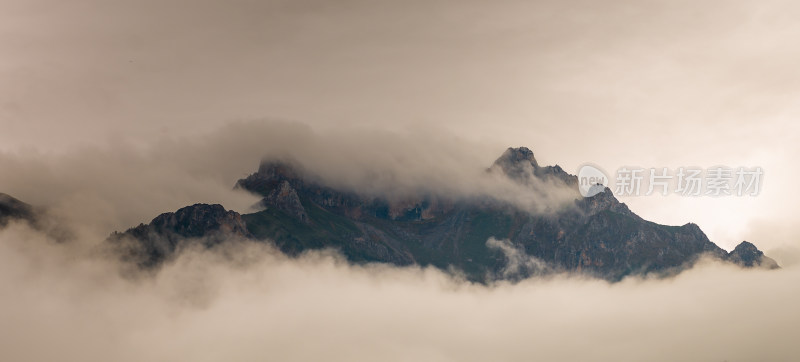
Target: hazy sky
[[114, 111], [648, 83]]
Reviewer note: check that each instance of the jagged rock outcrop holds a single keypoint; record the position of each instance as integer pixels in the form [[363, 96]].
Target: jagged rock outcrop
[[284, 197]]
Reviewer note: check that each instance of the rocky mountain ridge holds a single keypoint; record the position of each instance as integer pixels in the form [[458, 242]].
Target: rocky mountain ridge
[[597, 236]]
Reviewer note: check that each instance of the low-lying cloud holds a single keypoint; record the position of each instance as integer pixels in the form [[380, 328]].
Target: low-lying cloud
[[247, 302], [519, 264]]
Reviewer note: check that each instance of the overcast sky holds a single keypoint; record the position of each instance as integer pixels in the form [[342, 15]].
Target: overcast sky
[[647, 83], [113, 111]]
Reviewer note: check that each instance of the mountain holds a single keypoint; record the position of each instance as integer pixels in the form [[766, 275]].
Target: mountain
[[481, 237]]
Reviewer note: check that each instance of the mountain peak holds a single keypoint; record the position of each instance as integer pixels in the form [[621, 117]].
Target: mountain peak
[[746, 246], [163, 236], [517, 155], [746, 254], [198, 219], [520, 164], [516, 163], [271, 174]]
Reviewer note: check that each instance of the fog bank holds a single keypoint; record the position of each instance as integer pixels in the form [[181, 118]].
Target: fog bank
[[248, 303]]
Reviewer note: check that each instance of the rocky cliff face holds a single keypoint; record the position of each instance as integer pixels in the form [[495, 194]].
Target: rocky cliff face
[[598, 236]]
